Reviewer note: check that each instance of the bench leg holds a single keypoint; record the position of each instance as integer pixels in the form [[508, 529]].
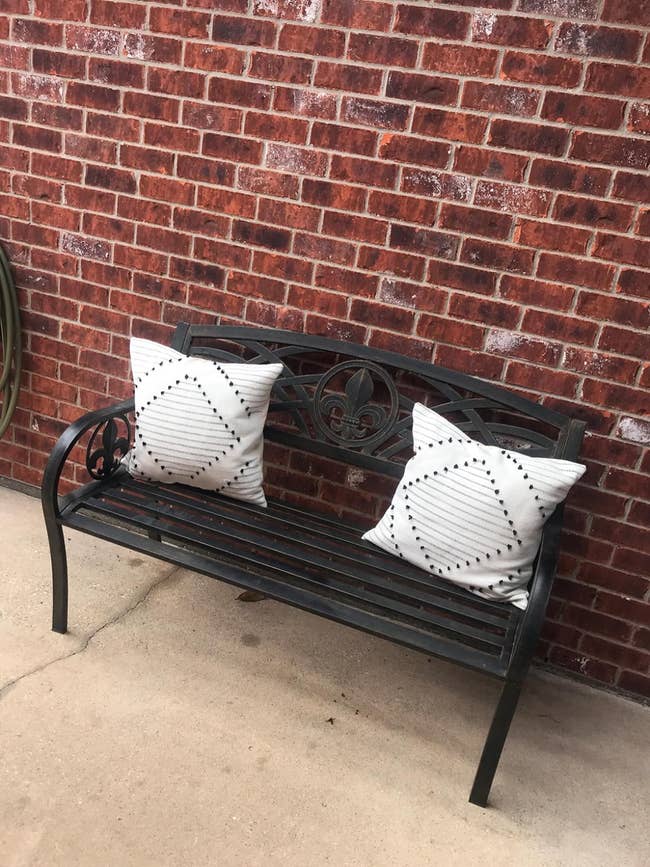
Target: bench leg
[[59, 578], [496, 738]]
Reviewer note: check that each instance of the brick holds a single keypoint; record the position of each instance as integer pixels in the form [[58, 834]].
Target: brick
[[457, 126], [459, 59], [60, 63], [490, 164], [384, 340], [593, 147], [521, 200], [159, 49], [341, 138], [110, 179], [417, 20], [615, 396], [565, 176], [324, 249], [565, 8], [107, 12], [391, 318], [425, 241], [619, 249], [404, 208], [548, 236], [580, 272], [214, 58], [407, 149], [260, 125], [528, 136], [624, 341], [511, 30], [591, 41], [327, 303], [108, 126], [146, 159], [633, 187], [618, 79], [14, 109], [593, 212], [612, 579], [317, 41], [422, 88], [500, 98], [510, 345], [225, 253], [370, 172], [255, 286], [635, 683], [627, 12], [116, 73], [180, 22], [278, 184], [301, 161], [244, 93], [93, 96], [166, 190], [37, 32], [92, 39], [345, 280], [278, 67], [541, 69], [354, 227], [501, 256], [437, 184], [581, 110], [443, 330], [487, 311], [474, 221], [243, 31], [261, 235], [391, 262], [307, 103], [339, 76], [229, 147], [173, 138], [632, 610], [288, 214], [383, 50], [557, 327], [357, 14]]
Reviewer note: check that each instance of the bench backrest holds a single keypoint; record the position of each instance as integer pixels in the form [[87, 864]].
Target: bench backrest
[[353, 403]]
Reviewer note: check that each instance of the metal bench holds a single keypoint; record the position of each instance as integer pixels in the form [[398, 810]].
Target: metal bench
[[348, 403]]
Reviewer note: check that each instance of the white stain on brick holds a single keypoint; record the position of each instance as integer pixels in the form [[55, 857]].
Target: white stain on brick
[[39, 86], [354, 477], [299, 10], [389, 293], [635, 429], [87, 248], [286, 158], [138, 46], [504, 342], [99, 41], [461, 187], [483, 24]]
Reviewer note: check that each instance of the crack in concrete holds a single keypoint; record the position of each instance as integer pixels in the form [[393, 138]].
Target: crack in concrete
[[5, 688]]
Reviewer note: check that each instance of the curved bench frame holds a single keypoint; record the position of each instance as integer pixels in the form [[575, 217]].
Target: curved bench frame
[[299, 395]]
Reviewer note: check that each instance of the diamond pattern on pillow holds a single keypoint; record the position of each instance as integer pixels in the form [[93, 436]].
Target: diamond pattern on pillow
[[472, 513], [198, 421]]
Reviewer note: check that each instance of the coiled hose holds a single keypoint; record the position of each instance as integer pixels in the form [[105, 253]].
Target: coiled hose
[[10, 344]]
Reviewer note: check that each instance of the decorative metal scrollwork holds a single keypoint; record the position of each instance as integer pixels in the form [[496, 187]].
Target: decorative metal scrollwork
[[350, 418], [103, 462]]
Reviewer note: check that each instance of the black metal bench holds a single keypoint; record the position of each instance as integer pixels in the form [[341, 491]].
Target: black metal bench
[[348, 403]]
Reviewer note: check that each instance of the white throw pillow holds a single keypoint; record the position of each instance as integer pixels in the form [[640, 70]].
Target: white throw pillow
[[472, 513], [198, 421]]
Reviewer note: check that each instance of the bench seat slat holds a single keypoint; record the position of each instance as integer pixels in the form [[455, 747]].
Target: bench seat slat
[[370, 564]]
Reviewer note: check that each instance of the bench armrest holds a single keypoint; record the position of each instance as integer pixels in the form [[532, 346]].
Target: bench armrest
[[530, 625], [101, 455]]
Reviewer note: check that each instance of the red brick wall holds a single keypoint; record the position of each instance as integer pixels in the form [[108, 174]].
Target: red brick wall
[[464, 182]]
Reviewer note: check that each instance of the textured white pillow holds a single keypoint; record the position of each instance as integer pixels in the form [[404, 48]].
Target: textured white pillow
[[472, 513], [200, 422]]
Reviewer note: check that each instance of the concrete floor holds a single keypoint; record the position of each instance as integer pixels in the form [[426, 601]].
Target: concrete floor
[[175, 725]]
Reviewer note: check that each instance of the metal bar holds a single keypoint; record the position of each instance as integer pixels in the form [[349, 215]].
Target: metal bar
[[496, 738]]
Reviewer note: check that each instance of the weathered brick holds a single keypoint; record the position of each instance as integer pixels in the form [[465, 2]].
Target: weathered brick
[[382, 50], [528, 137], [511, 30], [593, 147], [618, 79], [590, 41], [500, 98]]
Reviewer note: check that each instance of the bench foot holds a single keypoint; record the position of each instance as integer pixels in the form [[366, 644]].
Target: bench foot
[[59, 579], [495, 740]]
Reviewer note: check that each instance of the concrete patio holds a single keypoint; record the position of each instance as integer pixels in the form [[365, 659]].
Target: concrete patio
[[175, 725]]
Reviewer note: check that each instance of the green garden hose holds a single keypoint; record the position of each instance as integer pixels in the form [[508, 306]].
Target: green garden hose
[[10, 344]]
